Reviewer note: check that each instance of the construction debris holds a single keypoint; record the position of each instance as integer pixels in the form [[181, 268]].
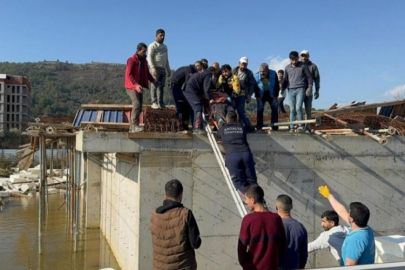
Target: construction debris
[[27, 182]]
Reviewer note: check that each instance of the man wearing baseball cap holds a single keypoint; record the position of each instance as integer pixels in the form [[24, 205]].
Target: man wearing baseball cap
[[313, 69], [247, 81]]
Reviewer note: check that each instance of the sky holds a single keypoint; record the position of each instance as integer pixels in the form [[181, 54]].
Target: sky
[[356, 44]]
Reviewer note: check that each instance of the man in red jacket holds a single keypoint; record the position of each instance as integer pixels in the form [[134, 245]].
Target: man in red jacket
[[262, 239], [137, 78]]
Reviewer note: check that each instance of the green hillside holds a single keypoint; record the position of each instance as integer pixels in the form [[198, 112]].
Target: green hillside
[[60, 88]]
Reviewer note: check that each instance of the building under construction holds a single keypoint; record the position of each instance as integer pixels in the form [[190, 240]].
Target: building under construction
[[15, 102], [358, 153]]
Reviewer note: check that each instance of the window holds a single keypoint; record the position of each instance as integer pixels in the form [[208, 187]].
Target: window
[[13, 98], [12, 118], [8, 86], [17, 116], [18, 99], [8, 98], [8, 117], [13, 89], [8, 107]]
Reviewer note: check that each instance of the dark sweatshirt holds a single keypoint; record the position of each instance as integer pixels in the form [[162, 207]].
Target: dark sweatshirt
[[262, 241], [181, 75], [297, 245], [200, 83], [193, 232]]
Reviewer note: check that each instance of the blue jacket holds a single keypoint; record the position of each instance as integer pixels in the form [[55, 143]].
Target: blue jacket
[[272, 83]]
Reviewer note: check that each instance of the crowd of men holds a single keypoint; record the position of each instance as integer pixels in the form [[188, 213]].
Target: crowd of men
[[199, 88], [267, 240]]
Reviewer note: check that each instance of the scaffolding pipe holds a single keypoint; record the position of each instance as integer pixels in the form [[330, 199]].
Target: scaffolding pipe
[[40, 199], [317, 122]]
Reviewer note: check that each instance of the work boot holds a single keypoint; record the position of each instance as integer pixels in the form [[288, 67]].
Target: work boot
[[162, 106], [155, 106]]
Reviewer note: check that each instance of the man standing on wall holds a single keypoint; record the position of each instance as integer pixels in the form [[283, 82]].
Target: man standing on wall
[[262, 239], [358, 247], [158, 60], [268, 89], [177, 86], [246, 81], [136, 79], [332, 237], [297, 236], [175, 232], [313, 69], [298, 80], [282, 94]]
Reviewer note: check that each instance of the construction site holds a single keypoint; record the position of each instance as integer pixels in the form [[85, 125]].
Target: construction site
[[117, 178]]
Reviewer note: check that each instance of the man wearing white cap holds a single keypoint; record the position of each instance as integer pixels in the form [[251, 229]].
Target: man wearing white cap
[[313, 69], [246, 80]]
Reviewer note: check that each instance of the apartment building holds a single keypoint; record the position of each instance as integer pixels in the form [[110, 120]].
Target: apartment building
[[15, 102]]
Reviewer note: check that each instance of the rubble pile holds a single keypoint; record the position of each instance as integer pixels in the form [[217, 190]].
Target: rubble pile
[[26, 182]]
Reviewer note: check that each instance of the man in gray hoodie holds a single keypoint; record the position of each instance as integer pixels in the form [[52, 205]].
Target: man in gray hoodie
[[313, 69]]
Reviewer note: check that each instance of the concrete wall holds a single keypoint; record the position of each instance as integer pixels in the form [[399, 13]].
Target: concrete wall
[[355, 168]]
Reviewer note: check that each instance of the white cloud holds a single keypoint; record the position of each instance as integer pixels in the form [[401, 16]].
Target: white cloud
[[277, 63], [396, 91]]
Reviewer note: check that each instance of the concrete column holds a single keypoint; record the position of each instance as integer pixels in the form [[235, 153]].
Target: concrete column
[[93, 190]]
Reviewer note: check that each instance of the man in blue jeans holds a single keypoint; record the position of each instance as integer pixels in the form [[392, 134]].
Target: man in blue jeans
[[239, 159], [298, 80], [267, 90]]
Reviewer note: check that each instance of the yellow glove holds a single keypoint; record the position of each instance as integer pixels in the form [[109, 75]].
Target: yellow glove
[[324, 191]]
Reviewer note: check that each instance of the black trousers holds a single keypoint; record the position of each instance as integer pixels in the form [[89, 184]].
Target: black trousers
[[197, 106], [183, 109], [274, 110]]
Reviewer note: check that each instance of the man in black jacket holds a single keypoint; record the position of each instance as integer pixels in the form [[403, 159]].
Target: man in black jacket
[[197, 93], [177, 86]]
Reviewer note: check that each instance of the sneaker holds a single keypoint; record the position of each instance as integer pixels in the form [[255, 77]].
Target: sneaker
[[307, 131], [300, 129], [135, 129], [291, 130], [162, 106], [155, 106], [199, 132], [242, 196]]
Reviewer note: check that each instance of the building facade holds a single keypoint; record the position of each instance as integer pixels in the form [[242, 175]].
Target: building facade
[[15, 102]]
